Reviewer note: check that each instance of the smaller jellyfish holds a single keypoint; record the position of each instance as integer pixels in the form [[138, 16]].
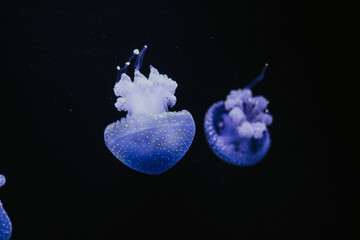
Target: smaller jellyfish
[[236, 129], [149, 139], [5, 223]]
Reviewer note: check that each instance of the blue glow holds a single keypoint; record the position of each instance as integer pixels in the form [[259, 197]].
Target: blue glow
[[149, 139], [236, 129], [139, 59], [5, 223]]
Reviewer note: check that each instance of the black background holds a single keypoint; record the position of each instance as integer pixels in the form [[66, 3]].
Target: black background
[[57, 76]]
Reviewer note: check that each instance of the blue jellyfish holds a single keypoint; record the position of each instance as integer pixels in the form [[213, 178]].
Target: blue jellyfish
[[149, 139], [5, 223], [236, 129]]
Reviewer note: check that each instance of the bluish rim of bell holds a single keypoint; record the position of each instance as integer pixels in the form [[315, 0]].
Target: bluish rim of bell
[[160, 116], [211, 132]]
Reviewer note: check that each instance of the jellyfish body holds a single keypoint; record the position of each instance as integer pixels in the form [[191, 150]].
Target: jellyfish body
[[236, 129], [5, 223], [149, 139]]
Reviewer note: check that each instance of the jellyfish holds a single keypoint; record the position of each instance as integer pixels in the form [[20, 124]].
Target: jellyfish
[[150, 139], [236, 129], [5, 223]]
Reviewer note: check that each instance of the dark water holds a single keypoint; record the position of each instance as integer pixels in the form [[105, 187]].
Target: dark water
[[57, 77]]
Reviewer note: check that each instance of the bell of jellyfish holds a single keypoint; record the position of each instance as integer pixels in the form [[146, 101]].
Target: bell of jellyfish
[[236, 129], [5, 223], [150, 139]]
